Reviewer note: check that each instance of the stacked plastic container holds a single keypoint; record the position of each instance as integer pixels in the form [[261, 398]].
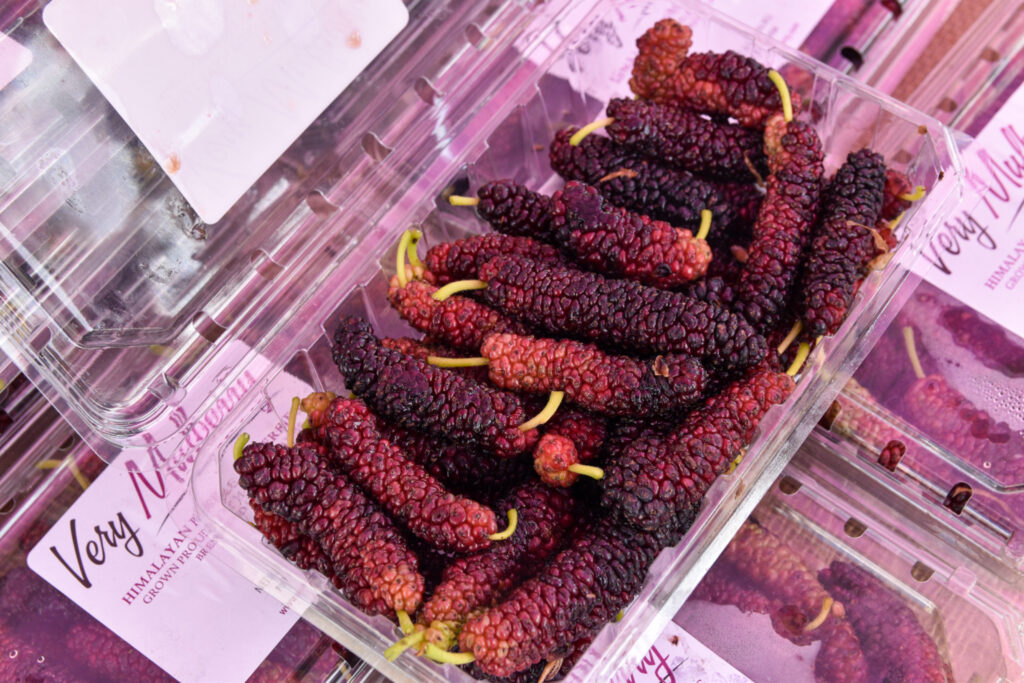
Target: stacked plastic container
[[125, 308]]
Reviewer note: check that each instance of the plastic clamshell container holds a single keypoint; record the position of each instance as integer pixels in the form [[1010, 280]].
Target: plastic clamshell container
[[549, 85], [959, 428], [824, 509], [115, 295]]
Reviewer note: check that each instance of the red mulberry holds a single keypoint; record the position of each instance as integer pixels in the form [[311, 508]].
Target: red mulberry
[[783, 225], [726, 83], [619, 313], [367, 552], [110, 657], [458, 321], [401, 486], [619, 385], [416, 395]]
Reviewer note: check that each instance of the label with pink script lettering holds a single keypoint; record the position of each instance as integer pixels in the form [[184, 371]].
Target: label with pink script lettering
[[133, 552], [978, 253], [678, 657]]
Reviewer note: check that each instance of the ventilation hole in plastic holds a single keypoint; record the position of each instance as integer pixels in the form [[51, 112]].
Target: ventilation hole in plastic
[[266, 268], [789, 485], [7, 508], [68, 444], [319, 205], [206, 327], [921, 572], [892, 454], [475, 36], [854, 528], [990, 55], [956, 499], [426, 90], [894, 7], [374, 148], [852, 55], [948, 105], [40, 341], [830, 415]]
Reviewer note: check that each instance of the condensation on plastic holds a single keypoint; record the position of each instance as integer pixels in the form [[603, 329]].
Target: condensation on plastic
[[116, 297], [824, 509], [506, 137]]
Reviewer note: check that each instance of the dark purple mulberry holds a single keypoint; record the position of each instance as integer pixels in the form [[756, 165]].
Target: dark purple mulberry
[[684, 138], [416, 395], [110, 657], [619, 313], [658, 478], [844, 243], [461, 259]]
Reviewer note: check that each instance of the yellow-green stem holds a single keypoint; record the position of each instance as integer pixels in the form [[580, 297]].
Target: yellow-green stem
[[445, 362], [587, 470], [459, 200], [403, 249], [794, 332], [457, 658], [798, 361], [404, 622], [392, 653], [705, 224], [456, 287], [826, 607], [240, 442], [915, 360], [586, 130], [414, 239], [918, 193], [293, 414], [554, 400], [513, 522], [787, 103]]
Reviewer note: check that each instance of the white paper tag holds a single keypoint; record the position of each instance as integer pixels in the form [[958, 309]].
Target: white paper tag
[[132, 552], [218, 89], [14, 58], [678, 657], [978, 253]]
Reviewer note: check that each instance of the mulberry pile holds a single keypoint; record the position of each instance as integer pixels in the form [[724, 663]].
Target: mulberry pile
[[647, 292]]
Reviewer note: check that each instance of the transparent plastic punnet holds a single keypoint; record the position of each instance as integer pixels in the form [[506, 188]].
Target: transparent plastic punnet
[[553, 85], [826, 514]]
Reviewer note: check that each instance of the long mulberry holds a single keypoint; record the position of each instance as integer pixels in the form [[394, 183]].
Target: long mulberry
[[893, 641], [602, 237], [619, 313], [641, 185], [367, 552], [110, 657], [617, 385], [401, 486], [783, 225], [715, 83], [545, 514], [416, 395], [293, 544], [684, 138], [658, 478], [461, 259], [844, 242], [585, 585], [425, 349], [458, 321]]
